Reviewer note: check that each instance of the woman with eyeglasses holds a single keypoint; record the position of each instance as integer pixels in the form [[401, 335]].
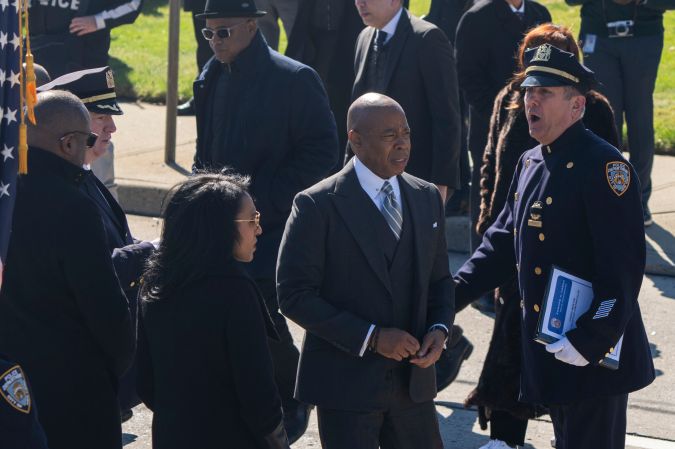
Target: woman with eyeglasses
[[204, 365]]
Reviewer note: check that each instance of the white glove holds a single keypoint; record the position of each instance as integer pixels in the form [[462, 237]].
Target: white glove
[[565, 352]]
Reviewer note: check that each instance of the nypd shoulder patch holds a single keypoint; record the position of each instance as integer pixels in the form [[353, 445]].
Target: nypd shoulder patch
[[14, 389], [618, 177]]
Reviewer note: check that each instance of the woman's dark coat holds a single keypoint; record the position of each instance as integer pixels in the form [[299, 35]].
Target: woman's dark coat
[[204, 365], [499, 384]]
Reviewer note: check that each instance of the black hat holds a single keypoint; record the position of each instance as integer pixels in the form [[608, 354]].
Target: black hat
[[549, 66], [216, 9], [94, 87]]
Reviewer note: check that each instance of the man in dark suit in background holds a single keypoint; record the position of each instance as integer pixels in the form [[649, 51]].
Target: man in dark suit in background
[[323, 37], [266, 116], [363, 267], [485, 61], [412, 61], [63, 315]]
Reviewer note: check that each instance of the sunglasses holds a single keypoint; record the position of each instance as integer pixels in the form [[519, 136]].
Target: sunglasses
[[222, 33], [255, 219], [91, 137]]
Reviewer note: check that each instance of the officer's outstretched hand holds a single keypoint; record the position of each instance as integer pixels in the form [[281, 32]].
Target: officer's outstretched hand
[[396, 344], [565, 352]]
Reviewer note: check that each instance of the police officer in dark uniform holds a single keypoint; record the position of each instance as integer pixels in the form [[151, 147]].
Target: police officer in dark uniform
[[574, 203], [96, 89], [70, 35], [19, 426]]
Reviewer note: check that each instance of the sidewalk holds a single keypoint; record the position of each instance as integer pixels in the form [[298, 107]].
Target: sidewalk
[[144, 180]]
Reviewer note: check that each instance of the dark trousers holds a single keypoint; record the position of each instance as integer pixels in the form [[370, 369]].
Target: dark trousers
[[627, 69], [591, 424], [404, 424], [506, 427], [285, 355]]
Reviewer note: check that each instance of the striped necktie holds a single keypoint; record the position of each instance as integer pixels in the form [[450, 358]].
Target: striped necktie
[[392, 210]]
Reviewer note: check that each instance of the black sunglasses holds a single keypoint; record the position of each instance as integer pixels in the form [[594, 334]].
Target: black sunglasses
[[91, 137], [222, 33]]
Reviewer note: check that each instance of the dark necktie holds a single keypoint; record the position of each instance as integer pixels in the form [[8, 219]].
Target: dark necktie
[[520, 15], [380, 38]]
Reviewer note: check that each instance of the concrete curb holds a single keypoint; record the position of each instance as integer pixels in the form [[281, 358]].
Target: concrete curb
[[147, 199], [142, 199]]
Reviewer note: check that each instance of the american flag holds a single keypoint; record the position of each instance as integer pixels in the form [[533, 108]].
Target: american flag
[[9, 118]]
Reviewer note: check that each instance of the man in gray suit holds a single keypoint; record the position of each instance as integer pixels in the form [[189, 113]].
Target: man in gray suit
[[363, 268]]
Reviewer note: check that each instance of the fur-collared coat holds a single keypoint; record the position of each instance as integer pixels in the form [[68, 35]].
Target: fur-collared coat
[[508, 139]]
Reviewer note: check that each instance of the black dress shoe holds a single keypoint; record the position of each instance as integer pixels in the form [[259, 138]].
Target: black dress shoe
[[187, 108], [125, 415], [485, 305], [296, 420], [447, 366]]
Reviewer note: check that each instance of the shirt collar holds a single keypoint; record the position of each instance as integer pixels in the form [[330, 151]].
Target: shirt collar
[[520, 10], [371, 183], [565, 141], [390, 28]]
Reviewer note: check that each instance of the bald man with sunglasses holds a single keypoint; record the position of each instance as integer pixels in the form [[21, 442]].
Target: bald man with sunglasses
[[63, 316]]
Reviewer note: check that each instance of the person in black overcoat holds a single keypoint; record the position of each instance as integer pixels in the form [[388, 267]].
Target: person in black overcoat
[[415, 66], [63, 315], [205, 368], [266, 116], [496, 395], [324, 38], [487, 39], [96, 89]]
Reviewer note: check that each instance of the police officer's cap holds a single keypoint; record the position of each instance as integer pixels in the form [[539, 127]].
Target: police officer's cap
[[94, 87], [215, 9], [548, 66]]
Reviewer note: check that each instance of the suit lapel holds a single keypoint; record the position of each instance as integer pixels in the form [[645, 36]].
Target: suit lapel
[[509, 20], [361, 59], [417, 202], [395, 46], [351, 201]]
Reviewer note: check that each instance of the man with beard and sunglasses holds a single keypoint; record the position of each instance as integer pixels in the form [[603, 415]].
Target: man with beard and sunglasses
[[266, 116]]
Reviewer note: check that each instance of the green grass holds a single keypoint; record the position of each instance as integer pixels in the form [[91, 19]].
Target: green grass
[[139, 54]]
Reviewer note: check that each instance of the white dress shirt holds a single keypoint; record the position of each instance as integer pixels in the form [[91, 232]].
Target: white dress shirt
[[390, 28], [520, 10], [372, 184]]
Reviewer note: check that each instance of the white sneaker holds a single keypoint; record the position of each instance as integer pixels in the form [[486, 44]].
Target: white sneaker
[[496, 444]]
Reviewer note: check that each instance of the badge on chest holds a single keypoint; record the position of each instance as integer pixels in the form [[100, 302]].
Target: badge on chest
[[535, 215]]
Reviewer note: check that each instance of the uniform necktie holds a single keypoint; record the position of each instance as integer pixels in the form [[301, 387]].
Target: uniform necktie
[[392, 210], [520, 15]]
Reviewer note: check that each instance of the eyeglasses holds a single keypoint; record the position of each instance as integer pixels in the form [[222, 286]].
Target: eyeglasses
[[91, 137], [222, 33], [255, 219]]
